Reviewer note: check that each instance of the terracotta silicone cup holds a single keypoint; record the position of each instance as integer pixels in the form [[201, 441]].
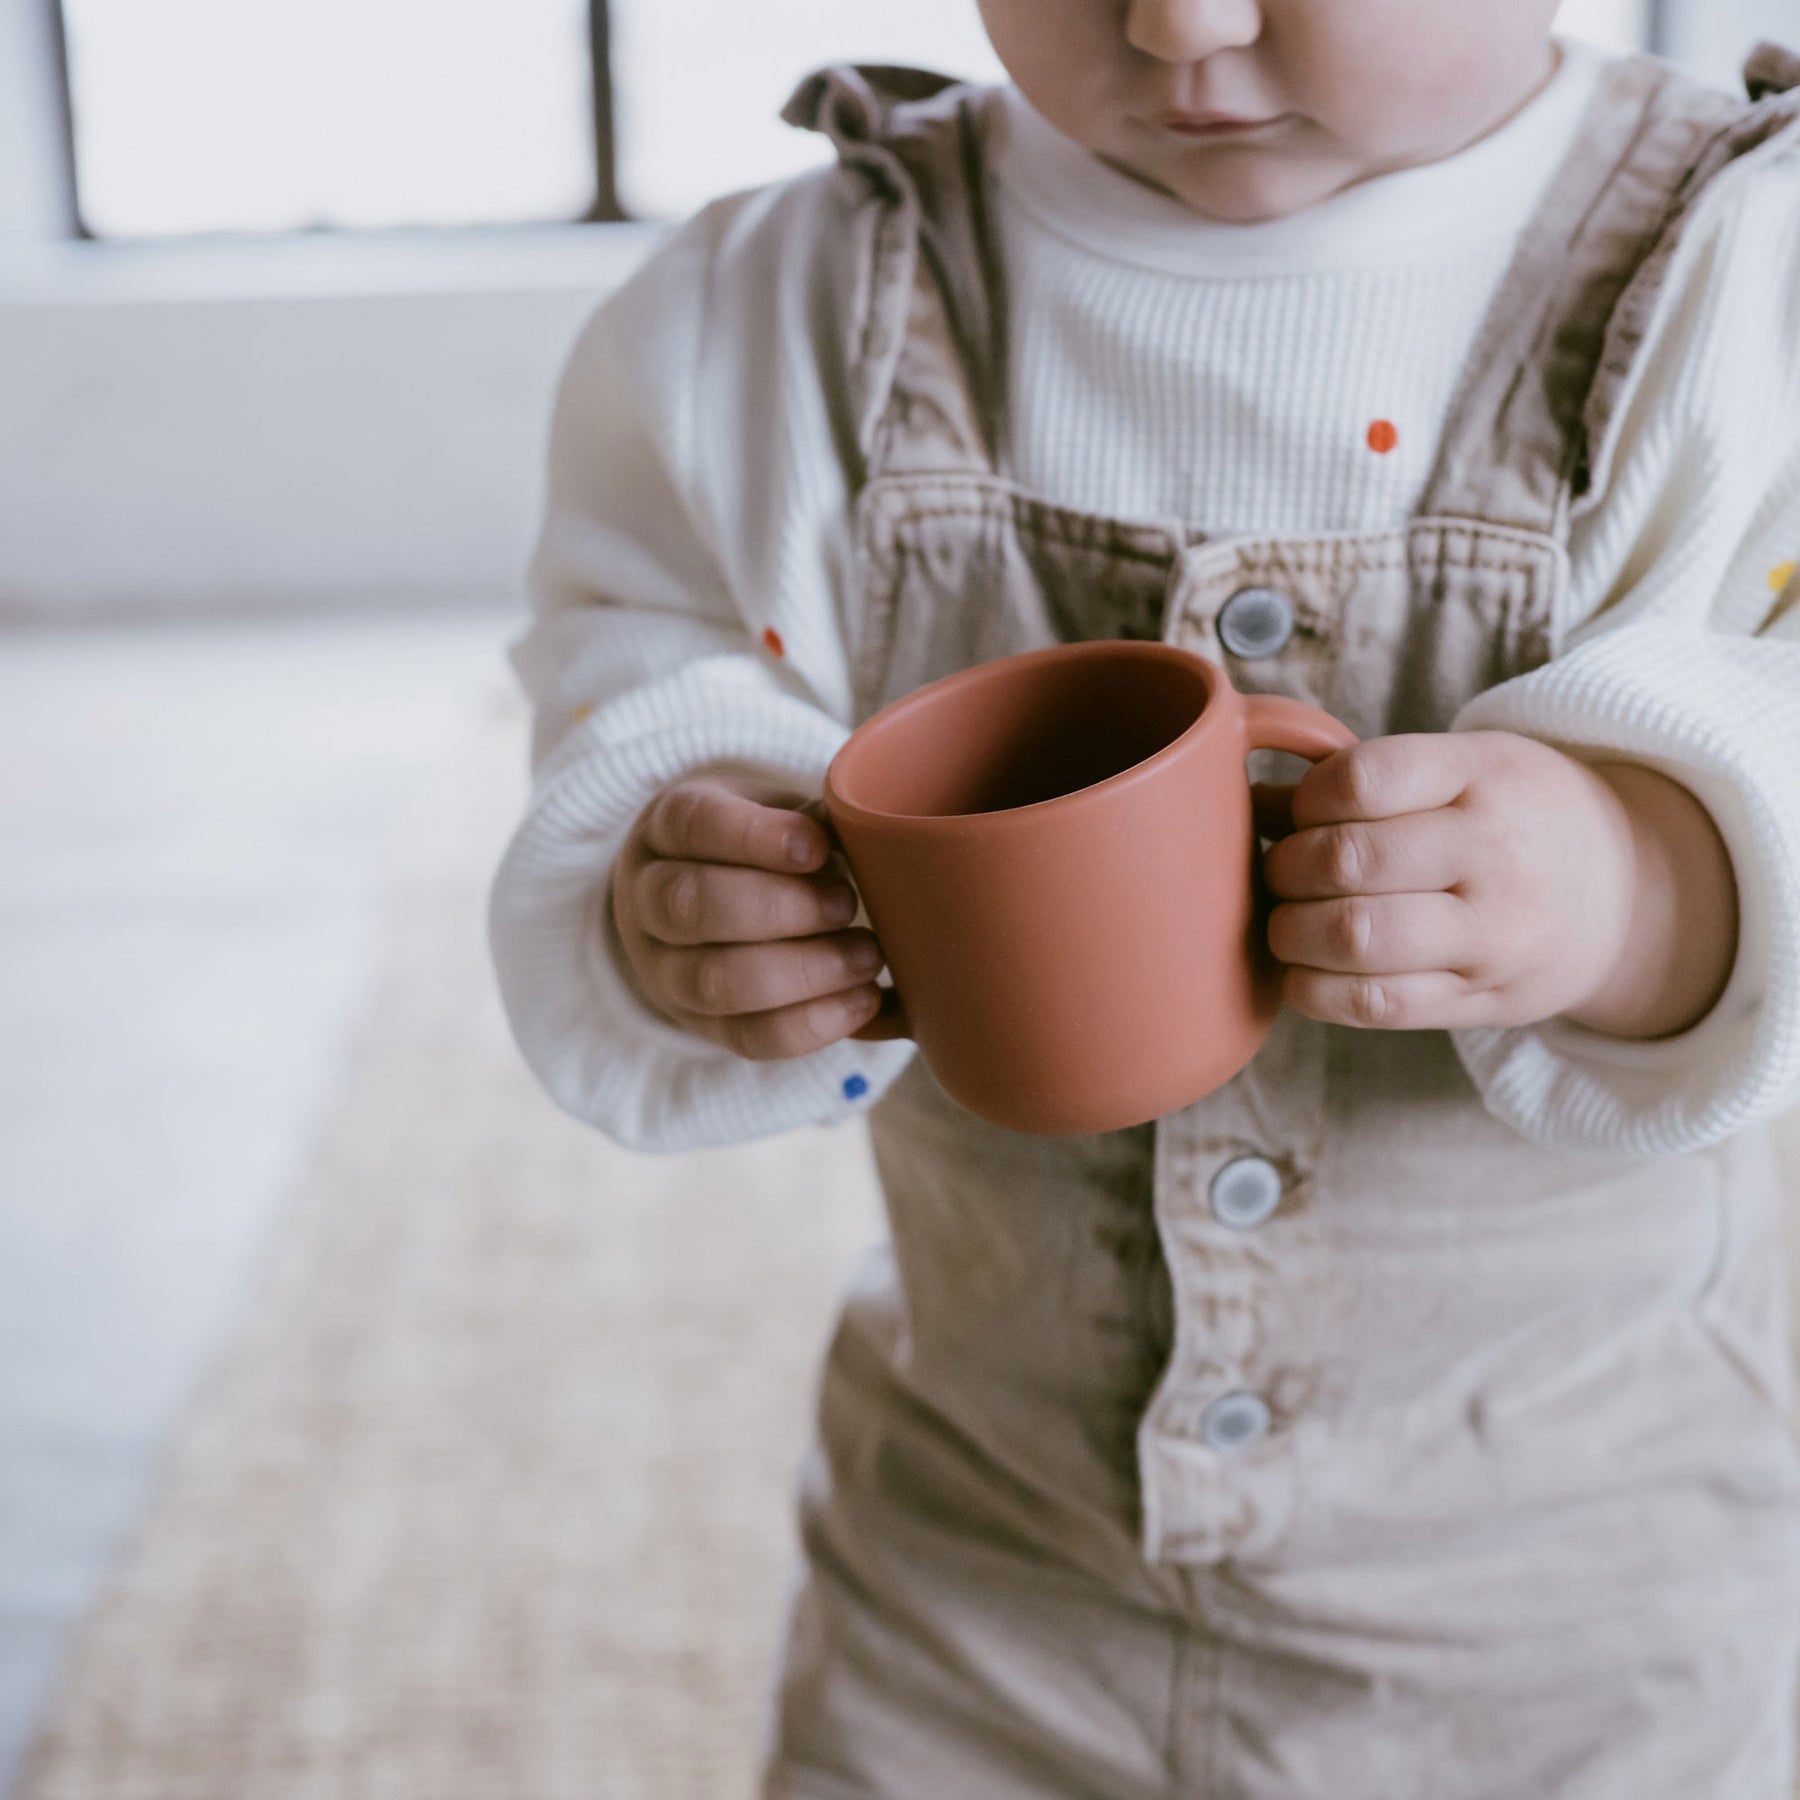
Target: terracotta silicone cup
[[1058, 854]]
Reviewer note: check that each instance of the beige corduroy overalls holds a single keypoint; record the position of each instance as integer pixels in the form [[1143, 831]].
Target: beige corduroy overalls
[[1326, 1440]]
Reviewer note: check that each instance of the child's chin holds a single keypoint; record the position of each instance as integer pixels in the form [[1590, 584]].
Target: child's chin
[[1243, 187]]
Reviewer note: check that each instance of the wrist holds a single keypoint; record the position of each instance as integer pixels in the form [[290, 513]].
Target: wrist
[[1679, 940]]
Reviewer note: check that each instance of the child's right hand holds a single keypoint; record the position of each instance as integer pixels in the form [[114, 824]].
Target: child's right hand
[[731, 936]]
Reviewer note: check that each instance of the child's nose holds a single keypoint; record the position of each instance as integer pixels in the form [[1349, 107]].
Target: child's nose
[[1184, 31]]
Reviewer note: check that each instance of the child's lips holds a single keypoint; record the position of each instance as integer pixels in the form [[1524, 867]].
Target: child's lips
[[1223, 125]]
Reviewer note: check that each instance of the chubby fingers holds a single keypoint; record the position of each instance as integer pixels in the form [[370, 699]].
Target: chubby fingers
[[724, 981], [1383, 934], [1431, 1000], [1382, 778], [715, 903], [705, 821], [711, 866], [1416, 853], [1393, 962]]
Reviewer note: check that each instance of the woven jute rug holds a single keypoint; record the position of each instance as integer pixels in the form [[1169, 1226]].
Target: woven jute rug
[[490, 1497], [489, 1500]]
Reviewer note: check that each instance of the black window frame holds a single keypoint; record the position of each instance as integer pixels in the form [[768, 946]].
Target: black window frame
[[57, 36], [605, 209], [1659, 26]]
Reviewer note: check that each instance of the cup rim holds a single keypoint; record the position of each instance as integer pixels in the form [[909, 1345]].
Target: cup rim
[[843, 764]]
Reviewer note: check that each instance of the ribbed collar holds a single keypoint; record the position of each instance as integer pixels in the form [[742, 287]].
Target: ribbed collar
[[1484, 192]]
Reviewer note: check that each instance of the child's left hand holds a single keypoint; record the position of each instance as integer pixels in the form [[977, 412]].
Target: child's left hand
[[1436, 882]]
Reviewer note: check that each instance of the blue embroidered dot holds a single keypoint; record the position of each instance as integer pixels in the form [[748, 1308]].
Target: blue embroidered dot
[[855, 1087]]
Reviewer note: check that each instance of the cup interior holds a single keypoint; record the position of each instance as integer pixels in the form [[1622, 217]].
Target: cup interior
[[1024, 730]]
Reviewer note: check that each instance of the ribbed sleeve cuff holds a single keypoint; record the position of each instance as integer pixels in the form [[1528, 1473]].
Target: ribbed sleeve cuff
[[600, 1052], [1722, 717]]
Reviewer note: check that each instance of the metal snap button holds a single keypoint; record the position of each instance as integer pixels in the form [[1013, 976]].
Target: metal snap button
[[1235, 1421], [1245, 1192], [1256, 622]]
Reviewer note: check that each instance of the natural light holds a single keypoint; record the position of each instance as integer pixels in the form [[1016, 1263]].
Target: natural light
[[217, 115]]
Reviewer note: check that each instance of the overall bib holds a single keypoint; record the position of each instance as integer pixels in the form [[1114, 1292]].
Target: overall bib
[[1325, 1440]]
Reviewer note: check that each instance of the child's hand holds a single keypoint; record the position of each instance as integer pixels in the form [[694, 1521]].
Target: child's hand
[[730, 936], [1437, 882]]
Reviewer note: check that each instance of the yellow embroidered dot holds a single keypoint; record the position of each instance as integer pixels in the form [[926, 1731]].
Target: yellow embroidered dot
[[1781, 577]]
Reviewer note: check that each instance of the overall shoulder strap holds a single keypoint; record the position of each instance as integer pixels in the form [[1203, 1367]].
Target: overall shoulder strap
[[1772, 69], [1517, 450], [927, 346], [1772, 80]]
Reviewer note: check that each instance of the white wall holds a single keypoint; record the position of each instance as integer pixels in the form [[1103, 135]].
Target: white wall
[[336, 422], [1714, 36]]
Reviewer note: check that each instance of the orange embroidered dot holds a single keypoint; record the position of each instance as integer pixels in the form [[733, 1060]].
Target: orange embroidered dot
[[1383, 436], [1781, 577], [582, 714], [772, 642]]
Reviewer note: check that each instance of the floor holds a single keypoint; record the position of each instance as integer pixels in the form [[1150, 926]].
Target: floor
[[190, 848], [488, 1488], [193, 851]]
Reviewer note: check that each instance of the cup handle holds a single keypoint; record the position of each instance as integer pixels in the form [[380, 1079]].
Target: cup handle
[[1275, 722], [890, 1022]]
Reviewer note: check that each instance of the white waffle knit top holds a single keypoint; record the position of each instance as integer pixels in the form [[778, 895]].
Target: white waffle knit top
[[697, 505]]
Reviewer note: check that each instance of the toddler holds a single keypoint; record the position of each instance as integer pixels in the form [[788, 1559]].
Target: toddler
[[1409, 1419]]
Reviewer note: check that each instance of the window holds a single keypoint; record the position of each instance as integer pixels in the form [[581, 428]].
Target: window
[[280, 115], [691, 126], [1616, 24]]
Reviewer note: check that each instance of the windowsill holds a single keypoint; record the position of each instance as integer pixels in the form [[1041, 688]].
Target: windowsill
[[321, 420], [325, 265]]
